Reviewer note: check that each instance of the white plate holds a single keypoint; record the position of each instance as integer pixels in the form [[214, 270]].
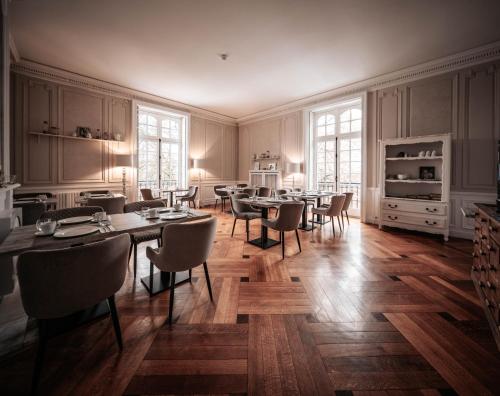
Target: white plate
[[173, 216], [75, 231], [152, 217], [75, 220]]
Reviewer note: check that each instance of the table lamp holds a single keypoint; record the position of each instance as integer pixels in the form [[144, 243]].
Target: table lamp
[[123, 160], [293, 168]]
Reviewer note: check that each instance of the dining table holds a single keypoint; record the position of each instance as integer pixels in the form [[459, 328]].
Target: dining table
[[171, 192], [23, 239], [264, 204], [308, 196], [50, 203], [82, 200]]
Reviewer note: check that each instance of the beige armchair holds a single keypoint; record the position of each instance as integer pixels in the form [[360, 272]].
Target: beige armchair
[[243, 211], [112, 205], [143, 236], [333, 210], [288, 220], [57, 283], [147, 195], [264, 192], [189, 197], [184, 246], [345, 207]]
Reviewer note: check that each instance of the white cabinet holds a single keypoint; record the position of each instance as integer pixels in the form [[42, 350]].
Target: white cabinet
[[415, 183], [265, 178]]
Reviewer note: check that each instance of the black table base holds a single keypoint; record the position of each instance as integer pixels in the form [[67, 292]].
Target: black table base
[[160, 281], [62, 325], [264, 244]]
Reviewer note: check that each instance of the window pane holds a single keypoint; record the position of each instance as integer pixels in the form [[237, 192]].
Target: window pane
[[356, 126], [330, 129], [152, 131], [345, 116], [344, 144], [321, 131], [344, 156], [321, 120], [356, 167], [330, 119], [356, 155], [344, 127], [355, 114], [356, 144]]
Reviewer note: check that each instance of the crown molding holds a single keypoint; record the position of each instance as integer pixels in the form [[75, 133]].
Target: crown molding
[[475, 56], [50, 73]]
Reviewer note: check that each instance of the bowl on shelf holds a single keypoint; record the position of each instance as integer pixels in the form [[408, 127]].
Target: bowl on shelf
[[402, 176]]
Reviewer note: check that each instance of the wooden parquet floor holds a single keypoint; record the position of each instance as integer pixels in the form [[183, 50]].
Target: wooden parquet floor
[[366, 313]]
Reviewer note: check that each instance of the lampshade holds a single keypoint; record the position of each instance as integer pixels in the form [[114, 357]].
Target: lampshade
[[123, 160], [293, 167], [197, 163]]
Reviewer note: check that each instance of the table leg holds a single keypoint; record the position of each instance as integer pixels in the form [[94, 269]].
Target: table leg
[[264, 242], [160, 281], [304, 226]]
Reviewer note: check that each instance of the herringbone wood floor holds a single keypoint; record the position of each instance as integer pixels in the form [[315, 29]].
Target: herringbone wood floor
[[366, 313]]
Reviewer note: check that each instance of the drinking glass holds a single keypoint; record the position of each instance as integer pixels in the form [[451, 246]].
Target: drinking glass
[[144, 211]]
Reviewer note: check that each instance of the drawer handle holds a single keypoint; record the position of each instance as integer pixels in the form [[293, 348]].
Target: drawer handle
[[392, 217], [392, 206], [430, 222], [431, 209]]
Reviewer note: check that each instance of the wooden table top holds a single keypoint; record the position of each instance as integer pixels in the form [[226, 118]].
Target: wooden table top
[[22, 239], [264, 202], [48, 201], [303, 195]]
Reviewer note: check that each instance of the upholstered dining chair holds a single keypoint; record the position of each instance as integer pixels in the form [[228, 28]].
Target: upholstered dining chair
[[177, 254], [31, 211], [252, 192], [243, 211], [242, 185], [57, 283], [281, 192], [147, 195], [264, 192], [82, 193], [288, 220], [60, 214], [111, 205], [345, 207], [142, 236], [223, 195], [333, 210], [189, 197]]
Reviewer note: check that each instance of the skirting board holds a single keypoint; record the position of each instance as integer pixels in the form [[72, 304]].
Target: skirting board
[[460, 227]]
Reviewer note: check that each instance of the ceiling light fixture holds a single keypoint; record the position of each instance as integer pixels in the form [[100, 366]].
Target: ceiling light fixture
[[223, 56]]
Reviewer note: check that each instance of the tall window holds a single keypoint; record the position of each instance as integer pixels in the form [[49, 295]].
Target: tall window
[[336, 150], [162, 149]]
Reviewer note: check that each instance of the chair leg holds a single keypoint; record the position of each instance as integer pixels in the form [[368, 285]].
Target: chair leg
[[171, 302], [234, 225], [135, 260], [333, 226], [340, 226], [190, 275], [42, 342], [298, 240], [342, 215], [247, 228], [116, 321], [283, 245], [215, 206], [151, 272], [130, 251], [346, 215], [207, 277]]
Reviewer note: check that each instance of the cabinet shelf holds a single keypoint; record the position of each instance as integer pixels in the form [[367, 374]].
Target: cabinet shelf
[[414, 158], [414, 181], [72, 137]]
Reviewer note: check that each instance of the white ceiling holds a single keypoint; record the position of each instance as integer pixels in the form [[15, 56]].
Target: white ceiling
[[279, 50]]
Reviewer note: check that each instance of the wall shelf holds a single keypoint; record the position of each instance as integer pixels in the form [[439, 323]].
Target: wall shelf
[[72, 137], [414, 158], [414, 181]]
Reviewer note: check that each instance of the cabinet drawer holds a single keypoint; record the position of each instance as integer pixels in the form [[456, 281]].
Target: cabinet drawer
[[414, 207], [430, 221]]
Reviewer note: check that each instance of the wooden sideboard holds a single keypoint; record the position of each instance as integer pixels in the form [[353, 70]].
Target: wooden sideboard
[[486, 264]]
